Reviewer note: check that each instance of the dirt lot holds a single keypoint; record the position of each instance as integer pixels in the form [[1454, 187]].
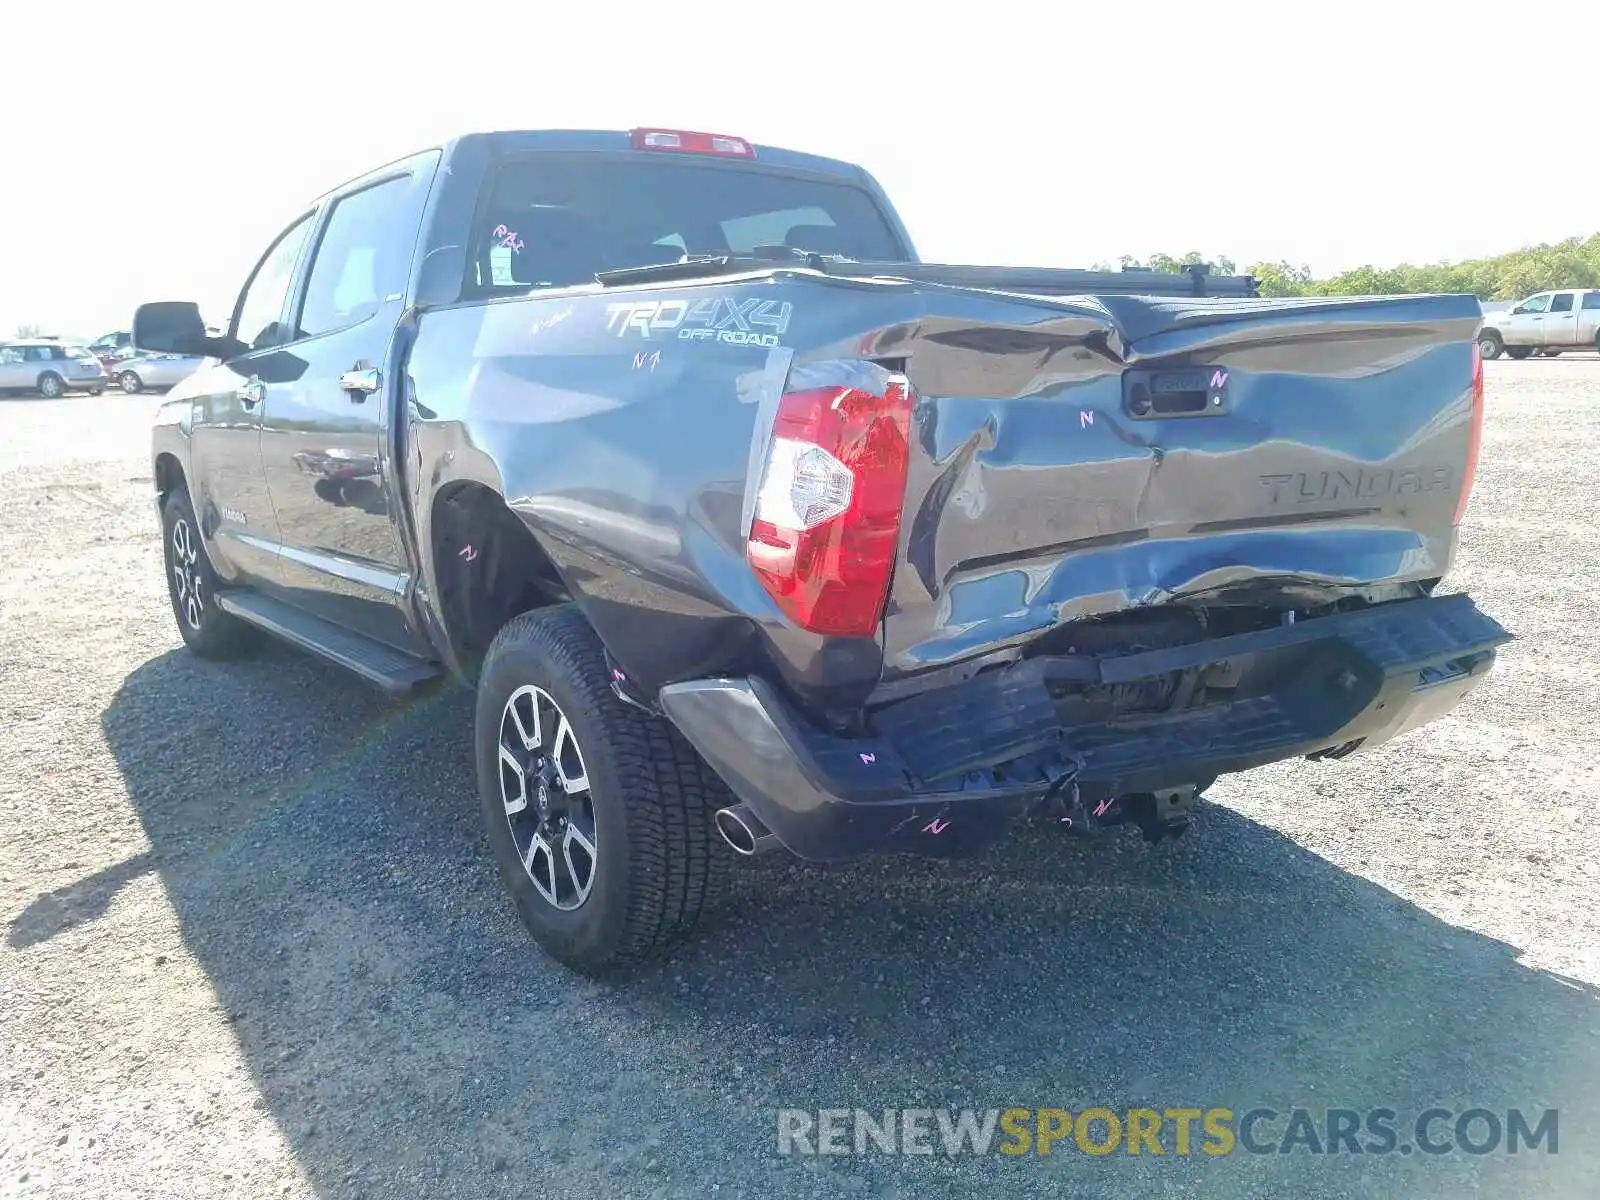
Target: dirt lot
[[254, 945]]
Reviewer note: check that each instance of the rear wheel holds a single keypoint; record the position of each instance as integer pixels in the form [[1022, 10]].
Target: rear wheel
[[130, 383], [192, 585], [1489, 344], [51, 386], [599, 814]]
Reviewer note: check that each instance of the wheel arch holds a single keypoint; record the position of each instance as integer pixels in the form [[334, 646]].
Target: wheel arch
[[168, 475], [485, 566]]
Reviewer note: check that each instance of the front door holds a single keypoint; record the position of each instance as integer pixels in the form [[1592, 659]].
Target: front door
[[1525, 325], [14, 369], [325, 433], [227, 486]]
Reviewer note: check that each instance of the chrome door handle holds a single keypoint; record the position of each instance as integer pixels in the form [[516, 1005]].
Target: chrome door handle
[[251, 392], [361, 383]]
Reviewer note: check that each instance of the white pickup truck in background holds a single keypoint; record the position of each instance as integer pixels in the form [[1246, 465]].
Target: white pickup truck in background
[[1544, 323]]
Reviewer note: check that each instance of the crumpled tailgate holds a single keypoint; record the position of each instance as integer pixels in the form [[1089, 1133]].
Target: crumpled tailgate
[[1073, 458]]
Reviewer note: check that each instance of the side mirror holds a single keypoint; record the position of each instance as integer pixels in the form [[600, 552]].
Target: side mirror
[[175, 327]]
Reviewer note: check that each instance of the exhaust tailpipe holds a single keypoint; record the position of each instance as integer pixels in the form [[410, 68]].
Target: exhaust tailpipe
[[743, 830]]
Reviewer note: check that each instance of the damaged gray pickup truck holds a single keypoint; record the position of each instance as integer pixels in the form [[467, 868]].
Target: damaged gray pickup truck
[[752, 531]]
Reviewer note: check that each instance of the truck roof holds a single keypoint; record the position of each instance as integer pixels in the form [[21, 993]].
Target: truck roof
[[623, 141], [614, 141]]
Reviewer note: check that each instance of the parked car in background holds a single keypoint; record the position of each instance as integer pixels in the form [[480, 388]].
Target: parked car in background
[[108, 346], [1544, 323], [50, 368], [134, 370], [110, 343]]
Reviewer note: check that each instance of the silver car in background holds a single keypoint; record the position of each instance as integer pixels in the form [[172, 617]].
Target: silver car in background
[[135, 371], [49, 368]]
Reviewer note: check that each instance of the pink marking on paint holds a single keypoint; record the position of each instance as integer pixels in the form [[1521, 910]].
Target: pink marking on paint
[[467, 553], [936, 826], [1219, 379], [868, 759], [1085, 418], [1100, 809]]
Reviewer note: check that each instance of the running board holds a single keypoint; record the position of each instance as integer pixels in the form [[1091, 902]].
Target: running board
[[395, 671]]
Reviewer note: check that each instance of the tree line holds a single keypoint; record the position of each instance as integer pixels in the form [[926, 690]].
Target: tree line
[[1570, 264]]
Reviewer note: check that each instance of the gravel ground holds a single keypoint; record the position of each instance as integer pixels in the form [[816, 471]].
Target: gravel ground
[[254, 945]]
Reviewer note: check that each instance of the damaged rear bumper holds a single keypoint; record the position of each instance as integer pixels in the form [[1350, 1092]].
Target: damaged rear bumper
[[945, 772]]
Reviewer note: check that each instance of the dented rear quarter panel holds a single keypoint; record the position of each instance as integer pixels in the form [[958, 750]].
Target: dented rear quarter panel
[[630, 445]]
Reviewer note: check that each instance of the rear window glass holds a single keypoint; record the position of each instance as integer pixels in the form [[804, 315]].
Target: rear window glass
[[555, 221]]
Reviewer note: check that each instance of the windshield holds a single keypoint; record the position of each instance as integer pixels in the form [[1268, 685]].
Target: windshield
[[555, 221]]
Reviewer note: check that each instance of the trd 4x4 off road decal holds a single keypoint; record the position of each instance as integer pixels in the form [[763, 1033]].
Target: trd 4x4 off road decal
[[738, 322]]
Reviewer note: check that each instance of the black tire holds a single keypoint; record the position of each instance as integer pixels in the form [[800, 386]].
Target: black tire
[[205, 628], [96, 391], [51, 386], [130, 383], [648, 799], [1519, 352], [1489, 344]]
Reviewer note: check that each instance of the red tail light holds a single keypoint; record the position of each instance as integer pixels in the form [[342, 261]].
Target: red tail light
[[827, 517], [1474, 436], [685, 141]]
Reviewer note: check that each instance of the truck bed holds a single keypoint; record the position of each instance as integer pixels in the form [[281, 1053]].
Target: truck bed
[[1072, 456]]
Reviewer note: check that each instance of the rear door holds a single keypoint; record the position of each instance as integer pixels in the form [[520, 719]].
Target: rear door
[[38, 361], [325, 428], [1561, 322], [1589, 319]]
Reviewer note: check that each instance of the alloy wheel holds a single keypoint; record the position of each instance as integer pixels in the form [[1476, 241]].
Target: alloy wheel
[[186, 586], [545, 789]]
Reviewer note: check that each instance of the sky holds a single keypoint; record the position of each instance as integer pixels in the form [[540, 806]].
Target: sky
[[157, 149]]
